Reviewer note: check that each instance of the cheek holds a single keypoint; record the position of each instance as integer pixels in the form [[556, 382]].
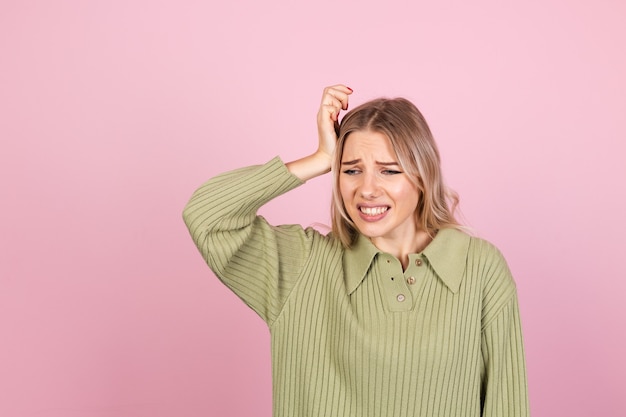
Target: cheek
[[408, 194], [344, 191]]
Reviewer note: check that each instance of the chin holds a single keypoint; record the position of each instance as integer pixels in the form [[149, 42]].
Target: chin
[[370, 232]]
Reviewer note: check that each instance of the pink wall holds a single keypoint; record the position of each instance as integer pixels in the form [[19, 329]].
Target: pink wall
[[111, 113]]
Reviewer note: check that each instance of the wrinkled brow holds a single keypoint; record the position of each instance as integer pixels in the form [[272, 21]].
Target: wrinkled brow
[[356, 161]]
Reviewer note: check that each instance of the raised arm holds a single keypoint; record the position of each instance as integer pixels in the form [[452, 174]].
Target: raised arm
[[334, 99], [261, 263]]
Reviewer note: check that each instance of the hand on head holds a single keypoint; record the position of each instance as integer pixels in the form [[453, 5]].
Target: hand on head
[[334, 99]]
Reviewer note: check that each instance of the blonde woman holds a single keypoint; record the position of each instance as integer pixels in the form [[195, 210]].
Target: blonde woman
[[397, 312]]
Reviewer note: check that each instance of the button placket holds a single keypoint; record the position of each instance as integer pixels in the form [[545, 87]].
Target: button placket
[[414, 274], [394, 288]]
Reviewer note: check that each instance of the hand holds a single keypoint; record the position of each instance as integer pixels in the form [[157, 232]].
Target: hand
[[334, 99]]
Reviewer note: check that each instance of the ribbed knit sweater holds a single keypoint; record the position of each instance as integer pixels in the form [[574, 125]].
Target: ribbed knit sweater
[[353, 334]]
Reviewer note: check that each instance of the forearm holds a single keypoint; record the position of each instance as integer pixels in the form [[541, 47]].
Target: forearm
[[310, 166]]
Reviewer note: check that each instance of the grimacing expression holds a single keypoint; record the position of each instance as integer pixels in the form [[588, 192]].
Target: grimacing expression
[[378, 196]]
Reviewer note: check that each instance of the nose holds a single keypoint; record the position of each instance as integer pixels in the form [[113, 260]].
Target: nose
[[369, 187]]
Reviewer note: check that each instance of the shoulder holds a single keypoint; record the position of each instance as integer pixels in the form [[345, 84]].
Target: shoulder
[[324, 242], [317, 240], [454, 245], [486, 257], [490, 269]]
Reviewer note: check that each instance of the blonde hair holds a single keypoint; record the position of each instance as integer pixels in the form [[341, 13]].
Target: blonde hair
[[400, 121]]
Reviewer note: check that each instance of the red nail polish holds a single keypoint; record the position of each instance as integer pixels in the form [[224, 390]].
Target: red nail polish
[[351, 90]]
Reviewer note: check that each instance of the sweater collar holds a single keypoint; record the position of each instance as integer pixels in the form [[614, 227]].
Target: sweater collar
[[446, 254]]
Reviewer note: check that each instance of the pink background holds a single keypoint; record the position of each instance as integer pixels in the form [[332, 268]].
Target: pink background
[[113, 112]]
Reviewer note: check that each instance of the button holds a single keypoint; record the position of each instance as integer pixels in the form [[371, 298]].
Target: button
[[418, 262], [410, 280], [400, 297]]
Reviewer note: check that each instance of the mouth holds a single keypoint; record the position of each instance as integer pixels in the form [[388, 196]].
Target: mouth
[[373, 212]]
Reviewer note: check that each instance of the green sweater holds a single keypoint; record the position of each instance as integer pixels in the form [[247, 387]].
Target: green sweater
[[352, 333]]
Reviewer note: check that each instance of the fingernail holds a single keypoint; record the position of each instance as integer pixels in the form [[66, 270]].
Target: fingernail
[[349, 89]]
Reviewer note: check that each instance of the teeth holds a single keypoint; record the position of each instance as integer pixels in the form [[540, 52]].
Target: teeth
[[373, 211]]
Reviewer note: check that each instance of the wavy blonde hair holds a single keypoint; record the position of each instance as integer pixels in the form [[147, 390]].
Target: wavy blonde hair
[[417, 154]]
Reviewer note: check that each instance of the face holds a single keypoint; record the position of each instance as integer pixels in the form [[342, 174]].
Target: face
[[378, 196]]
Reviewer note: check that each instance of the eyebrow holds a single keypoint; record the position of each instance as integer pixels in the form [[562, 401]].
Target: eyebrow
[[356, 161]]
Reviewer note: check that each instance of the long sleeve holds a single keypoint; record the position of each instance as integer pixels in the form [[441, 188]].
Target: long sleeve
[[505, 392], [259, 262]]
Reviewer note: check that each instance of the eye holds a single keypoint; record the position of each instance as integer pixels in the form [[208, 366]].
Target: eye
[[351, 171], [391, 172]]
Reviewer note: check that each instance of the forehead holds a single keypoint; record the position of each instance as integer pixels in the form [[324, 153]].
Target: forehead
[[363, 143]]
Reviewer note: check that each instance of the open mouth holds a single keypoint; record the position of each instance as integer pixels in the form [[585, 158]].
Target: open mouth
[[373, 211]]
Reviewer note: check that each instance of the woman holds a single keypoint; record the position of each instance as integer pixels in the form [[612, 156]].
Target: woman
[[398, 312]]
